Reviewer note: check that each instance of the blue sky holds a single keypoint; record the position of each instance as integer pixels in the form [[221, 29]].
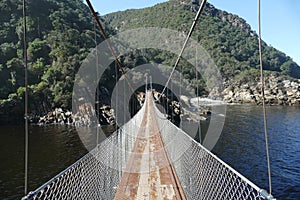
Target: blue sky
[[280, 19]]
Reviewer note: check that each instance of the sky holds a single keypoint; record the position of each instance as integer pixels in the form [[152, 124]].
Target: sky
[[280, 19]]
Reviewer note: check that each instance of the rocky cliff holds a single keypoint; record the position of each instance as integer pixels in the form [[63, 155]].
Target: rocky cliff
[[278, 91]]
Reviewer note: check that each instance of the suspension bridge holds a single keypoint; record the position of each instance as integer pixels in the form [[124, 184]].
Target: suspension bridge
[[147, 158], [157, 160]]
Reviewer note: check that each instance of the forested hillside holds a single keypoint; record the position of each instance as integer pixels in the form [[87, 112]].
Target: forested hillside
[[61, 34], [227, 37]]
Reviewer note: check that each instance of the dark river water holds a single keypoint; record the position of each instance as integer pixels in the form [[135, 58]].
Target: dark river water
[[53, 148]]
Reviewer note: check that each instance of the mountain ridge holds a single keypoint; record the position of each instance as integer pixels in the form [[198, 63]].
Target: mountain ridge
[[178, 15], [60, 36]]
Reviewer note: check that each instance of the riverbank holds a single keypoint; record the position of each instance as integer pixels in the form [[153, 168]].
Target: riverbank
[[53, 148], [278, 91]]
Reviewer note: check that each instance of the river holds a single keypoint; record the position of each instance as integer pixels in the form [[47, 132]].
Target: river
[[53, 148]]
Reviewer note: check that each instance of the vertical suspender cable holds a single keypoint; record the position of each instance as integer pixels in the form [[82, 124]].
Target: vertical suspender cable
[[98, 89], [26, 94], [124, 103], [117, 94], [263, 99], [185, 43], [197, 95]]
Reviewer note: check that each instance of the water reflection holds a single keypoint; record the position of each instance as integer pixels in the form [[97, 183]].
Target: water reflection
[[53, 148]]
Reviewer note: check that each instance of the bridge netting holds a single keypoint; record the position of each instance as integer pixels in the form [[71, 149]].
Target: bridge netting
[[97, 175]]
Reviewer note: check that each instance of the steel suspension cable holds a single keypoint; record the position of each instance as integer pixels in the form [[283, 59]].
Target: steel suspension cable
[[98, 89], [263, 97], [185, 43], [26, 94], [109, 43], [197, 95]]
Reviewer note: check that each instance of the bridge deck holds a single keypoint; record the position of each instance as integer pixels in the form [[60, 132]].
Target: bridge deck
[[149, 173]]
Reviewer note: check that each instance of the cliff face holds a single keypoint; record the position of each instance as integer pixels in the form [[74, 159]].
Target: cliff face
[[278, 91]]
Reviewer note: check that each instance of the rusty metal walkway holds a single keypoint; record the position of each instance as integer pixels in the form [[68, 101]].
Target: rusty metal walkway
[[149, 172], [155, 161]]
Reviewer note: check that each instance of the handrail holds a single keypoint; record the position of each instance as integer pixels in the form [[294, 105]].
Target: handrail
[[76, 172], [262, 192], [32, 193]]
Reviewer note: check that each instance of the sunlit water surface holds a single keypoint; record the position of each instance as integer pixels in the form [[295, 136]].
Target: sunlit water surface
[[53, 148]]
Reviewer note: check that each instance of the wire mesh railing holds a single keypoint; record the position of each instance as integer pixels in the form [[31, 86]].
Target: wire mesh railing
[[97, 175], [202, 174]]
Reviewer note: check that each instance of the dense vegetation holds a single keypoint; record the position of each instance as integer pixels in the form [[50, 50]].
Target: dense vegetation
[[228, 38], [60, 35]]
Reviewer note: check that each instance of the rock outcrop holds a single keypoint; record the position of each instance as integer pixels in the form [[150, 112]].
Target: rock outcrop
[[278, 91], [81, 118], [58, 116]]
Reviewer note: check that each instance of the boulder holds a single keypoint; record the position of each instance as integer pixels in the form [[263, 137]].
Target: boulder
[[289, 92]]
